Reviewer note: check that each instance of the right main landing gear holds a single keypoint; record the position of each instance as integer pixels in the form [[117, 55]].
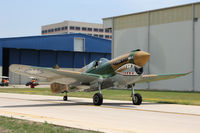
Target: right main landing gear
[[98, 99], [136, 97]]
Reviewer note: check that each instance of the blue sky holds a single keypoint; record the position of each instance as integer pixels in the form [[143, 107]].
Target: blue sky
[[25, 17]]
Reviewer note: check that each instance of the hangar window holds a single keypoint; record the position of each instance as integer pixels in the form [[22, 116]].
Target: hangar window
[[63, 28], [95, 29], [78, 28], [49, 30], [71, 27], [89, 29], [79, 44], [84, 28], [58, 29], [66, 27]]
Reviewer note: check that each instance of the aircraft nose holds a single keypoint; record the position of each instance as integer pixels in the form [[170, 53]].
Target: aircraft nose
[[141, 58]]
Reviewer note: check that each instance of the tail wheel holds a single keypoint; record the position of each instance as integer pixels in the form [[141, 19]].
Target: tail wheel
[[137, 99], [65, 98], [98, 99]]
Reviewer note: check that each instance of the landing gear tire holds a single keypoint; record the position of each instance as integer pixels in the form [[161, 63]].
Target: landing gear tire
[[65, 98], [98, 99], [137, 99]]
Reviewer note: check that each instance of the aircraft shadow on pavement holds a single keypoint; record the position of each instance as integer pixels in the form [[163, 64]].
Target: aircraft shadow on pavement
[[75, 103]]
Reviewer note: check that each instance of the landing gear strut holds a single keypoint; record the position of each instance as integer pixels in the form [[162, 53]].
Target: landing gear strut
[[65, 98], [136, 97], [98, 97]]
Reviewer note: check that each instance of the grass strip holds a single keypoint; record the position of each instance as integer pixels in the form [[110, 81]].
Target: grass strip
[[173, 97], [12, 125]]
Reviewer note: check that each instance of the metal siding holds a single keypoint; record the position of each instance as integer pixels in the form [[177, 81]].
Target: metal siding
[[80, 58], [44, 43], [58, 42], [130, 21], [65, 59], [47, 58], [29, 57], [96, 56], [197, 55], [197, 11], [108, 56], [171, 15], [14, 56], [1, 56], [171, 52], [130, 39], [97, 45]]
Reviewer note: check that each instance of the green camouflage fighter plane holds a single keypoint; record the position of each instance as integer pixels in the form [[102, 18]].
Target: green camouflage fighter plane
[[125, 70]]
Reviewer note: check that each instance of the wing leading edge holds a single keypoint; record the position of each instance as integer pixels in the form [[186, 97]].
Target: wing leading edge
[[54, 74], [157, 77]]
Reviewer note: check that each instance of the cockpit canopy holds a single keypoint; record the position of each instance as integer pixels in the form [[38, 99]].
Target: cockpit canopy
[[94, 64], [102, 61]]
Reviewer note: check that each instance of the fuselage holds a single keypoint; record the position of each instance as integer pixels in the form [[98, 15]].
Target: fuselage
[[109, 68]]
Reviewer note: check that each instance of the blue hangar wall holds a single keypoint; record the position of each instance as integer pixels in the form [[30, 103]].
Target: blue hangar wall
[[47, 51]]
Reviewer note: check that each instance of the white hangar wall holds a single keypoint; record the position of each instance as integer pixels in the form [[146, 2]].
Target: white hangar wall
[[171, 36]]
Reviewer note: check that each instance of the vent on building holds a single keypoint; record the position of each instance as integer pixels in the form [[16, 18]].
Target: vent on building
[[79, 44]]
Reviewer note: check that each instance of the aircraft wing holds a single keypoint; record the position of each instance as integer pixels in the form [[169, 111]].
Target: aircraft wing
[[56, 75], [157, 77]]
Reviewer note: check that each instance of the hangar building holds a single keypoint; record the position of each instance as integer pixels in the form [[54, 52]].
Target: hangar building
[[172, 37], [67, 50]]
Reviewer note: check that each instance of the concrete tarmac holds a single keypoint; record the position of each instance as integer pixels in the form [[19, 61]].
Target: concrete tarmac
[[113, 116]]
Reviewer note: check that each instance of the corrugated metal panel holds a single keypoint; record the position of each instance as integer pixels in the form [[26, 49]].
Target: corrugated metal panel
[[171, 15], [29, 57], [65, 59], [58, 42], [130, 21], [45, 43], [96, 56], [47, 58], [1, 56], [197, 10], [107, 23], [81, 59], [96, 46], [108, 56], [14, 56]]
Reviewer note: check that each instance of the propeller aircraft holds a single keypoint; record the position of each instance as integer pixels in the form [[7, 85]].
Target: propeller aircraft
[[125, 70]]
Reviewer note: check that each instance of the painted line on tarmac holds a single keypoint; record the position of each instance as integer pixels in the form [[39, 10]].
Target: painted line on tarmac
[[147, 110], [112, 107]]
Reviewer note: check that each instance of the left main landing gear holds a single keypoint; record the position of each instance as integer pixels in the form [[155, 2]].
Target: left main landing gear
[[98, 97], [136, 97], [65, 98]]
